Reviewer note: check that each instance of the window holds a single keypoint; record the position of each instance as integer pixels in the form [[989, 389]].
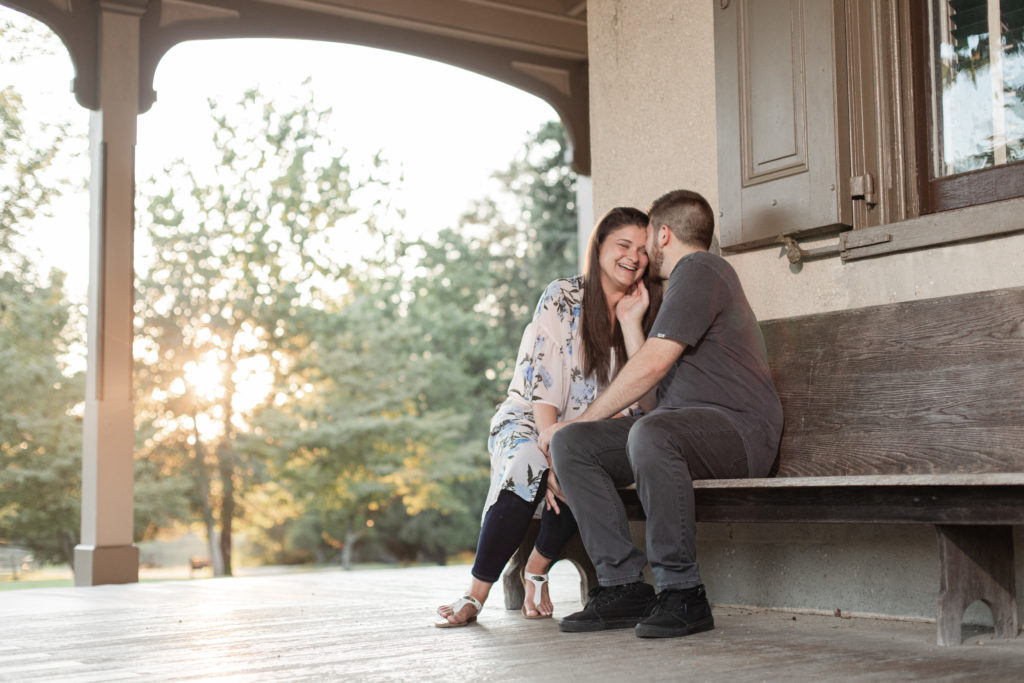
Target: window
[[974, 69], [881, 121]]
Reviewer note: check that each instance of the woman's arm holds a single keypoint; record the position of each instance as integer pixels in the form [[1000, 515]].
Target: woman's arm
[[545, 415]]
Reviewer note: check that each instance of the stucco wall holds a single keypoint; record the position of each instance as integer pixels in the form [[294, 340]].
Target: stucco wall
[[652, 113], [653, 130]]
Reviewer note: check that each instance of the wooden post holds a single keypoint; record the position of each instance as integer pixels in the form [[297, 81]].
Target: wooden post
[[107, 553]]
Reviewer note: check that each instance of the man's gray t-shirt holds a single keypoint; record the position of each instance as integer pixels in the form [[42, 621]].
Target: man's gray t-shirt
[[724, 365]]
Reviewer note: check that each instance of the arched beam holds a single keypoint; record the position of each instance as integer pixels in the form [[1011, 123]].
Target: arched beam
[[552, 69]]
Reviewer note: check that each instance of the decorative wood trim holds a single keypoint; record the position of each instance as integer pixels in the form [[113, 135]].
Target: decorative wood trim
[[556, 77], [555, 10], [868, 480], [983, 221], [938, 229], [428, 17], [975, 187], [890, 504], [177, 11]]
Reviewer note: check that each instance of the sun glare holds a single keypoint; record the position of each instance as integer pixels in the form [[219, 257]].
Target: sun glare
[[205, 378], [253, 383]]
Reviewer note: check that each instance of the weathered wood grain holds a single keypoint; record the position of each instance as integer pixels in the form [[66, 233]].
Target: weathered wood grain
[[908, 413], [377, 626], [932, 386], [976, 563]]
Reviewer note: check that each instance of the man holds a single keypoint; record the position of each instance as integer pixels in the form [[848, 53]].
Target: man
[[717, 416]]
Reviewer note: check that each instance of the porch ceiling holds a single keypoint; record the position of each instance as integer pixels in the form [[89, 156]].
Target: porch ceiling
[[539, 46]]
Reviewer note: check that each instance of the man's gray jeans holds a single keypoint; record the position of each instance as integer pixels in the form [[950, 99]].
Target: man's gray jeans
[[662, 453]]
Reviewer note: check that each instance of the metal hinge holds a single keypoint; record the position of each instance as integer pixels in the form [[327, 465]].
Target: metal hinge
[[863, 187]]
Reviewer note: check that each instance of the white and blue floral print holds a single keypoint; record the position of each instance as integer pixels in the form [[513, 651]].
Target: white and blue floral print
[[549, 369]]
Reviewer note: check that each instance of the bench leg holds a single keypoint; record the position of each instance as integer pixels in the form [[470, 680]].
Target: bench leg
[[574, 551], [975, 563]]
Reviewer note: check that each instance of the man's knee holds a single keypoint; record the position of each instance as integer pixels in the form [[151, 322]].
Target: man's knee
[[649, 439], [564, 447]]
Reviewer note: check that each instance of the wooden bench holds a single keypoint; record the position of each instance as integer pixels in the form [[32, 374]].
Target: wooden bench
[[908, 413], [197, 564]]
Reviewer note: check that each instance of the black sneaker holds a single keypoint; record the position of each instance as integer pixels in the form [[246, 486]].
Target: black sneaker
[[611, 607], [677, 612]]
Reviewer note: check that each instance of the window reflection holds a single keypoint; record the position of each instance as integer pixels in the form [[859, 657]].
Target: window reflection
[[978, 66]]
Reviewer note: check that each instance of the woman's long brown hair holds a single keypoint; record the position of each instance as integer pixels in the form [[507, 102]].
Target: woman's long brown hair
[[596, 331]]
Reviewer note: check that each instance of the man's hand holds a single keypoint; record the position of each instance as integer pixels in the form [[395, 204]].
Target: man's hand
[[544, 438], [553, 493]]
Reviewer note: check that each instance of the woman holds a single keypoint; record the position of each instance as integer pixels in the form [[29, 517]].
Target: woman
[[569, 352]]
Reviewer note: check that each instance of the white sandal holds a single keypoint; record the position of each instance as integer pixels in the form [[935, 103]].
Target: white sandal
[[538, 581], [466, 599]]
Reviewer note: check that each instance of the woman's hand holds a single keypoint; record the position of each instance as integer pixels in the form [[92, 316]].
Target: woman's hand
[[544, 438], [632, 306], [553, 493]]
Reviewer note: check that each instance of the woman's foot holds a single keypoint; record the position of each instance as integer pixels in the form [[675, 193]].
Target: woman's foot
[[464, 610], [459, 613], [537, 606]]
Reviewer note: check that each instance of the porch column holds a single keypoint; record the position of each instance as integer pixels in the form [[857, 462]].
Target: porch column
[[107, 553], [584, 217]]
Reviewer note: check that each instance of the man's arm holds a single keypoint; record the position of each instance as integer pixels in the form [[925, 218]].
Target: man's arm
[[634, 339], [643, 371], [630, 312]]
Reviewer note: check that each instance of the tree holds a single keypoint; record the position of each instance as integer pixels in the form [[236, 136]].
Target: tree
[[404, 374], [236, 257], [40, 396]]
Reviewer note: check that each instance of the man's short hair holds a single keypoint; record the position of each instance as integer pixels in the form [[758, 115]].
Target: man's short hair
[[687, 214]]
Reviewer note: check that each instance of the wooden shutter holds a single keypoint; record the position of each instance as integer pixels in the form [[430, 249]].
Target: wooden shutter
[[783, 128]]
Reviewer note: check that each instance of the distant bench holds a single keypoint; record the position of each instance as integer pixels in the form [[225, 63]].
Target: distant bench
[[908, 413]]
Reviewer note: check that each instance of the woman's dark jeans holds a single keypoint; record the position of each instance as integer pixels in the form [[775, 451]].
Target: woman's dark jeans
[[506, 523]]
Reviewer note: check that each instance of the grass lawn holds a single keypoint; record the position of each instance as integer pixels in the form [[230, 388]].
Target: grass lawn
[[8, 585], [62, 577]]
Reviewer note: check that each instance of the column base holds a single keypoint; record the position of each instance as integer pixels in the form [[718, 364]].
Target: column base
[[95, 566]]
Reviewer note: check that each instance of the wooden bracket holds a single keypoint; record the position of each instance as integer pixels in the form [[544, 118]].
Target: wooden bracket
[[975, 563]]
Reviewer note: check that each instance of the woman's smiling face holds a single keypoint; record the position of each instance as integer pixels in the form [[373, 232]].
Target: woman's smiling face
[[623, 256]]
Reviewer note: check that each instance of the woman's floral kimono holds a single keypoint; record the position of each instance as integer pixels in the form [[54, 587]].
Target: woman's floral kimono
[[549, 369]]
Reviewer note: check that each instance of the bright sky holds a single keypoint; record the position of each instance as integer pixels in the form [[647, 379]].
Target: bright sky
[[448, 129]]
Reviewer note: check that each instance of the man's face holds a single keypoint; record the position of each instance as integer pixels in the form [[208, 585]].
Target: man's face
[[654, 252]]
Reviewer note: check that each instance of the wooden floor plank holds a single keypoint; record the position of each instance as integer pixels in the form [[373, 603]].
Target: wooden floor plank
[[378, 626]]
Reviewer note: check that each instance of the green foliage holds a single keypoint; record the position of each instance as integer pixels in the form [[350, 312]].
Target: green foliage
[[321, 401], [29, 177], [443, 317], [236, 264], [384, 439], [40, 437], [40, 431]]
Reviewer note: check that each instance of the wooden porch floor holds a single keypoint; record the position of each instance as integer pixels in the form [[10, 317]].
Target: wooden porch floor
[[377, 626]]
